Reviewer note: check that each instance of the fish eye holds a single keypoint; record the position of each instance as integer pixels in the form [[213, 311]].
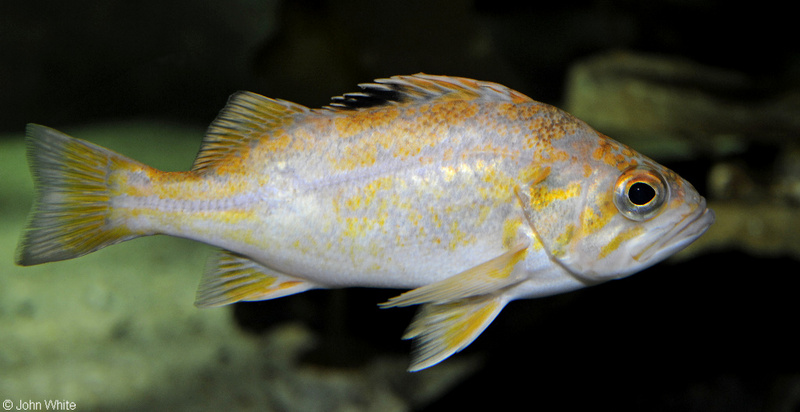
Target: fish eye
[[639, 193]]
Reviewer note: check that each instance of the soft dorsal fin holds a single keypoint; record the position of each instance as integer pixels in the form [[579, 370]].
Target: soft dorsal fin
[[247, 116], [423, 87]]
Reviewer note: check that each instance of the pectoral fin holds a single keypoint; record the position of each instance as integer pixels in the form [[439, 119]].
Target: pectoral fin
[[456, 310], [487, 277], [441, 330], [232, 277]]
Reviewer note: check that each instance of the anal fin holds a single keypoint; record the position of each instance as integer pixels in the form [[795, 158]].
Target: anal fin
[[232, 277]]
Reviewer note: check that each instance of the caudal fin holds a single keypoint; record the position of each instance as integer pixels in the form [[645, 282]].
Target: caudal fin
[[71, 210]]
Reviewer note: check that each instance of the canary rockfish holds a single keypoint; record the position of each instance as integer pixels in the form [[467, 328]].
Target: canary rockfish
[[466, 192]]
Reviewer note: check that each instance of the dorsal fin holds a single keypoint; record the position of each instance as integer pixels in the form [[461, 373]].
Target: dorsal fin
[[423, 87], [247, 116]]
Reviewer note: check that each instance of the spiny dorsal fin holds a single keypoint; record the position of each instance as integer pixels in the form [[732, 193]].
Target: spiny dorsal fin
[[247, 116], [422, 87]]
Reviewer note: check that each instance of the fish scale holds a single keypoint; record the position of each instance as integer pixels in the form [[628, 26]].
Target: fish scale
[[466, 192]]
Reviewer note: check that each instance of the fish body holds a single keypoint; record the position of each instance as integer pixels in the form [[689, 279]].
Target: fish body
[[466, 192]]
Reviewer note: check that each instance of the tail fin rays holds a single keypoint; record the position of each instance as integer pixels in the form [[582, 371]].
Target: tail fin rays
[[71, 211]]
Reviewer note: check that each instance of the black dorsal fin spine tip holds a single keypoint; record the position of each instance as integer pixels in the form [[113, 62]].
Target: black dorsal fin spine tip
[[371, 95]]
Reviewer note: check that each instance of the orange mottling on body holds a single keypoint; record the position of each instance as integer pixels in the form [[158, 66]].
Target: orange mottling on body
[[355, 123], [511, 229], [361, 153], [459, 237], [597, 214], [455, 111], [365, 197], [614, 154], [276, 143], [619, 239], [526, 111], [498, 186], [587, 170], [405, 137], [542, 196], [534, 174], [563, 240]]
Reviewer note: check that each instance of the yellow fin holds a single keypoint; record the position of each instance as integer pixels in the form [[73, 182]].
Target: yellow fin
[[441, 330], [246, 117], [71, 210], [423, 87], [232, 277], [487, 277]]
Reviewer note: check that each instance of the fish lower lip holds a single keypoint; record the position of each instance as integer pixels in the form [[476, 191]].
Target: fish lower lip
[[690, 229]]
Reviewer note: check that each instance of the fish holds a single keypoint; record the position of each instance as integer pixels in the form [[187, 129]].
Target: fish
[[465, 193]]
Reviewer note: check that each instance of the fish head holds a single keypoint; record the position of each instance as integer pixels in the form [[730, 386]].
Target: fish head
[[607, 217]]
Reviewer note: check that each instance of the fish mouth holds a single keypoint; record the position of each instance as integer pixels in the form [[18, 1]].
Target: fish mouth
[[692, 226]]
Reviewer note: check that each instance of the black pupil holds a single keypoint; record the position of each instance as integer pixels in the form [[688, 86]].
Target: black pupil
[[641, 193]]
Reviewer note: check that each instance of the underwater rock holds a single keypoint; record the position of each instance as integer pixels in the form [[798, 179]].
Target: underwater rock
[[787, 175], [673, 108], [760, 229]]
